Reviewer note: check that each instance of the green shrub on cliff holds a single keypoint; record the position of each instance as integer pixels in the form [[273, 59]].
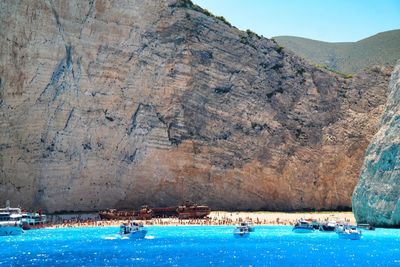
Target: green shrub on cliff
[[189, 4]]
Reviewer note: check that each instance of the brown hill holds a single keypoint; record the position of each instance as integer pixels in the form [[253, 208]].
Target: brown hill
[[351, 57]]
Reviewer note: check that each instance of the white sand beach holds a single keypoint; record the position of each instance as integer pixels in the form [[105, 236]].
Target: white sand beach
[[215, 218]]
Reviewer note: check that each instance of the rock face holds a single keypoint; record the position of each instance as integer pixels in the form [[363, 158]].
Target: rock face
[[123, 103], [376, 199]]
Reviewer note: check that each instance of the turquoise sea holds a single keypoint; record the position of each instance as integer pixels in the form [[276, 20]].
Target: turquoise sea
[[198, 246]]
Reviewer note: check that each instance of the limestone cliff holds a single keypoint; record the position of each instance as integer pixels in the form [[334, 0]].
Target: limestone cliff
[[130, 102], [376, 199]]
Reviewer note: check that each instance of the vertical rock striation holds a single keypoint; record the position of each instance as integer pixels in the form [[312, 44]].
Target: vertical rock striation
[[131, 102], [376, 199]]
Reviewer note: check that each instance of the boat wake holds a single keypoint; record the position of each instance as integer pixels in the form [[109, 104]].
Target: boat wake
[[124, 237], [112, 237]]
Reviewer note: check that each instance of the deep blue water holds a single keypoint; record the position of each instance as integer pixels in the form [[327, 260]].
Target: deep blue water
[[198, 246]]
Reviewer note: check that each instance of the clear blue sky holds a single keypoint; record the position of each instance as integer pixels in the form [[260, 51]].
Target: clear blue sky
[[325, 20]]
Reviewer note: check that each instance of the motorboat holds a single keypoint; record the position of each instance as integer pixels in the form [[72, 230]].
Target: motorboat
[[132, 230], [10, 221], [366, 226], [314, 223], [241, 231], [350, 232], [303, 226], [328, 226], [249, 225]]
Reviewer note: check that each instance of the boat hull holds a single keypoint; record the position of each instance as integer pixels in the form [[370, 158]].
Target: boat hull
[[193, 214], [10, 230], [32, 227], [165, 212], [327, 228], [189, 211], [138, 234]]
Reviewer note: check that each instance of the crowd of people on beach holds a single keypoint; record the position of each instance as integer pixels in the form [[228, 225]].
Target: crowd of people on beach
[[59, 221]]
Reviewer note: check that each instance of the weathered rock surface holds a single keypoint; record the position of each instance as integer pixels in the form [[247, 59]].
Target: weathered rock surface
[[376, 199], [123, 103]]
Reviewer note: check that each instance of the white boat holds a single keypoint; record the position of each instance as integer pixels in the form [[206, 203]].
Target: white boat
[[340, 227], [350, 232], [33, 220], [249, 225], [132, 230], [10, 221], [303, 226], [241, 231]]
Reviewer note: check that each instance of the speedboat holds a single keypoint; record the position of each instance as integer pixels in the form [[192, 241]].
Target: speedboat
[[303, 226], [132, 230], [350, 232], [10, 221], [241, 231], [249, 225]]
